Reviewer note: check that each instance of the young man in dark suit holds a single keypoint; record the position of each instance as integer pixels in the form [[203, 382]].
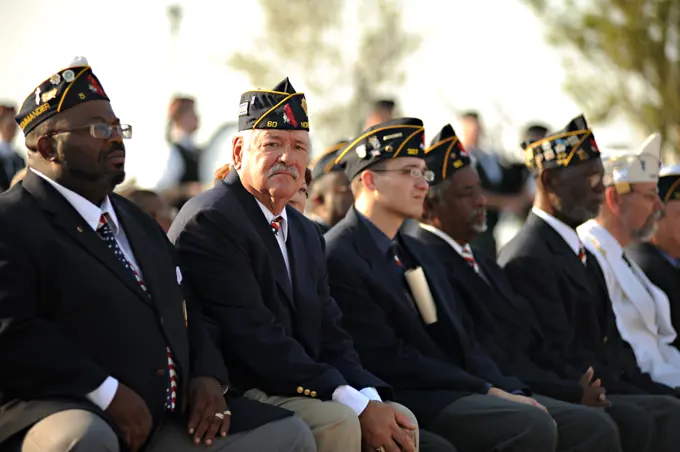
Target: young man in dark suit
[[659, 258], [429, 354], [258, 268], [505, 323], [548, 265], [99, 343]]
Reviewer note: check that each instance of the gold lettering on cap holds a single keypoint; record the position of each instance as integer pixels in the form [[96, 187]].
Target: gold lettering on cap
[[34, 114], [272, 124], [412, 151]]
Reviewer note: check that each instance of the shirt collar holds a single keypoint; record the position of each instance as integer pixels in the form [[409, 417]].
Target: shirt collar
[[444, 236], [674, 262], [568, 234], [270, 216], [382, 241], [90, 212], [605, 240]]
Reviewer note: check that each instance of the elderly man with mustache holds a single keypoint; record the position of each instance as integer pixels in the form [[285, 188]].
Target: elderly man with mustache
[[629, 214], [258, 268]]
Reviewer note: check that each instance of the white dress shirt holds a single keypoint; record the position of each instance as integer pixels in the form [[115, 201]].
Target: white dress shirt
[[345, 394], [568, 234], [103, 395], [444, 236]]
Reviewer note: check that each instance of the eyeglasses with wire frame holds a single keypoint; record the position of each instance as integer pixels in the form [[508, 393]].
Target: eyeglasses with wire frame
[[416, 173], [101, 131]]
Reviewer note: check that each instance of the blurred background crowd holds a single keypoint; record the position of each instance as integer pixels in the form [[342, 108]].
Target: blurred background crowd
[[500, 71]]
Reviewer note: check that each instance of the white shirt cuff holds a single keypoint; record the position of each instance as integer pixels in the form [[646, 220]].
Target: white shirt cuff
[[350, 397], [371, 393], [103, 395]]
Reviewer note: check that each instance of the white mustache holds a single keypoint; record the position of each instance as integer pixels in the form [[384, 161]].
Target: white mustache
[[283, 168]]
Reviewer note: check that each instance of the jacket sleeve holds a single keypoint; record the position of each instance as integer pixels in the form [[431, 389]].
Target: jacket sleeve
[[38, 360], [218, 270], [381, 349]]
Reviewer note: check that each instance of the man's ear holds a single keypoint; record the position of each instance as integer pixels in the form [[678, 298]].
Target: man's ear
[[612, 200], [47, 148], [237, 148], [368, 180]]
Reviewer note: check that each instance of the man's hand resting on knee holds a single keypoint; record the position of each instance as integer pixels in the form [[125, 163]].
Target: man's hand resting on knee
[[130, 413], [383, 426]]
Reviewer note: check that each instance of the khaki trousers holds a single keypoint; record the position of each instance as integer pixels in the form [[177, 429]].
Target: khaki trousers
[[335, 426]]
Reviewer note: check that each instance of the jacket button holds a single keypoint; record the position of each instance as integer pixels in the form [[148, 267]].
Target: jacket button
[[160, 372], [313, 394], [300, 389], [307, 391], [606, 338]]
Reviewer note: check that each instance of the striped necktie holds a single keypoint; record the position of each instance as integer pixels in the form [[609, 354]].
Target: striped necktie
[[466, 253], [106, 233], [276, 224]]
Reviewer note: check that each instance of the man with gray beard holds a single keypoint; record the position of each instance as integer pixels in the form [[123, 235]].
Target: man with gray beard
[[547, 264], [629, 214]]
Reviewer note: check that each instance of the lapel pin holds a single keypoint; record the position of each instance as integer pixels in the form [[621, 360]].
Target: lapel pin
[[79, 229]]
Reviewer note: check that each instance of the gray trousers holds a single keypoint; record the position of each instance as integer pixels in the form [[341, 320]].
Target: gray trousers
[[647, 423], [483, 423], [84, 431]]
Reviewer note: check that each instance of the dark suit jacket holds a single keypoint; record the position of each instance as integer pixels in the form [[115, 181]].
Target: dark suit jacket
[[71, 314], [280, 339], [505, 322], [429, 366], [572, 306], [662, 273]]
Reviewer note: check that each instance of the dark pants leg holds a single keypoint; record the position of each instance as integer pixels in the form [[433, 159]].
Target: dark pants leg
[[430, 442], [482, 423], [636, 426], [580, 428], [665, 415]]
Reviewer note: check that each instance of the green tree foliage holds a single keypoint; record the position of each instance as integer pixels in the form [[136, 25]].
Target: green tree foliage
[[341, 56], [633, 47]]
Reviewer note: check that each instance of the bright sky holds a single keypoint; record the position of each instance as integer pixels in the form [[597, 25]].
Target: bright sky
[[502, 65]]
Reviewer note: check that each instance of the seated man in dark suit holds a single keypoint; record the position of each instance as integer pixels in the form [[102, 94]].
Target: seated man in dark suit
[[548, 265], [99, 343], [428, 352], [505, 322], [329, 193], [258, 268], [659, 258]]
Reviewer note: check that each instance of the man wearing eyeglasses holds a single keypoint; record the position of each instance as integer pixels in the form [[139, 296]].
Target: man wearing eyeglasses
[[101, 346], [629, 214], [401, 312]]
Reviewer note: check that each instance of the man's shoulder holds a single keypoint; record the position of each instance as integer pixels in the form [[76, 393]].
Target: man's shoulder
[[216, 199], [18, 207], [339, 237], [526, 246]]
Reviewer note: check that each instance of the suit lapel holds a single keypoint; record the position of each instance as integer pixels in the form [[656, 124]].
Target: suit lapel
[[568, 260], [443, 299], [143, 254], [66, 218], [381, 267], [264, 231]]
